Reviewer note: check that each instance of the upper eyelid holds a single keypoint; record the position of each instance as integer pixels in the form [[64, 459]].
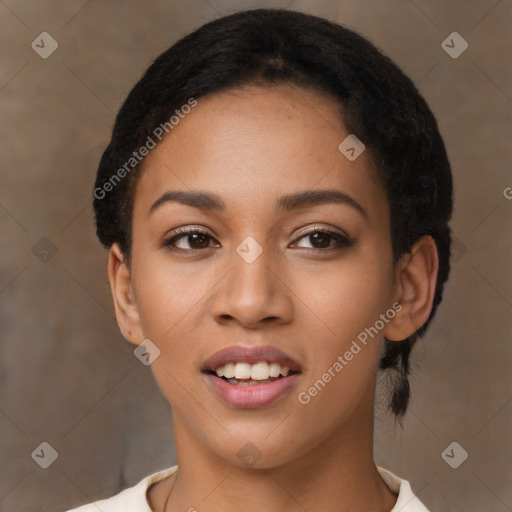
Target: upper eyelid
[[328, 229]]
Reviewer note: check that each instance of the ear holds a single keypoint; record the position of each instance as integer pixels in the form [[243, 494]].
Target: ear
[[127, 313], [415, 288]]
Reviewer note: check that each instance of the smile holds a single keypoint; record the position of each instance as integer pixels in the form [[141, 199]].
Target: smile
[[251, 378], [250, 374]]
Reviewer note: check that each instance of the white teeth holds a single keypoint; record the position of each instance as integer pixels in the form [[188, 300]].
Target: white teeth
[[259, 371], [242, 371], [229, 370], [275, 370]]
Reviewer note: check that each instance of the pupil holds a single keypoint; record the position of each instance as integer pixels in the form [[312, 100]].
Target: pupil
[[200, 237], [324, 237]]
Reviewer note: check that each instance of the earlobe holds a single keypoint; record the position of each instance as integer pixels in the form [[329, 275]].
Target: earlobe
[[126, 309], [416, 285]]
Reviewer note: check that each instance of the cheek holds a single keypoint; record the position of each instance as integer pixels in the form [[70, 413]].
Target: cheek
[[342, 319], [346, 296], [169, 297], [170, 301]]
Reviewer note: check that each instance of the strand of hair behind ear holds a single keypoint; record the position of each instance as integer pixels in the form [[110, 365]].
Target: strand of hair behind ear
[[395, 359]]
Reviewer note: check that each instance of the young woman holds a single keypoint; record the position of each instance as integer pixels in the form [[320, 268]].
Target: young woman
[[275, 198]]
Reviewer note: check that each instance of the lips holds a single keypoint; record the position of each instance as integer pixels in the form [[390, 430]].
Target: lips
[[250, 355], [251, 377]]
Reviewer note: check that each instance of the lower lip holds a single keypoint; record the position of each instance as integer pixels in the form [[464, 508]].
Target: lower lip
[[252, 396]]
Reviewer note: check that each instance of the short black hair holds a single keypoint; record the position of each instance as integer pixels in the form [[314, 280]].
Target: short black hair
[[378, 103]]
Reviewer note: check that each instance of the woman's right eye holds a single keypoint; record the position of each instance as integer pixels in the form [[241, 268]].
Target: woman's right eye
[[194, 238]]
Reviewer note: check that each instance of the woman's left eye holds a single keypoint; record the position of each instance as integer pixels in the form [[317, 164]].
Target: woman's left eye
[[321, 239]]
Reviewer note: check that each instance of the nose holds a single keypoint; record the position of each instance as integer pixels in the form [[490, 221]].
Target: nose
[[253, 293]]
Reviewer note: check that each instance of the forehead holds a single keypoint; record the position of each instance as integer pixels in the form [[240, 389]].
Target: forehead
[[255, 144]]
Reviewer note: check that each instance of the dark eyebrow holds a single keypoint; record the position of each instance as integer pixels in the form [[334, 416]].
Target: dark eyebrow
[[200, 200], [316, 197], [206, 201]]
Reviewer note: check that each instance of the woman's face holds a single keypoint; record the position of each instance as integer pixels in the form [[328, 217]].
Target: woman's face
[[264, 283]]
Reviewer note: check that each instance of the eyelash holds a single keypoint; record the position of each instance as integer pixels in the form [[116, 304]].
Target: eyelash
[[342, 240]]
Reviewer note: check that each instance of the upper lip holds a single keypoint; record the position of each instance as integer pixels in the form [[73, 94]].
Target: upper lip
[[251, 355]]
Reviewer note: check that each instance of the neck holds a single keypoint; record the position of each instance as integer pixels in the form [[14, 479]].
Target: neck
[[338, 474]]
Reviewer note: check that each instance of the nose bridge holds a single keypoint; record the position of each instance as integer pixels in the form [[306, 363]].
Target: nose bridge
[[251, 285], [252, 292]]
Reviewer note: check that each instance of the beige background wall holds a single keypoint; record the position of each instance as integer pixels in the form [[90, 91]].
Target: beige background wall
[[67, 376]]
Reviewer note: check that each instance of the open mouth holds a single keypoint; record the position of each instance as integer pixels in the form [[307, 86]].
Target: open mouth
[[246, 374], [251, 377]]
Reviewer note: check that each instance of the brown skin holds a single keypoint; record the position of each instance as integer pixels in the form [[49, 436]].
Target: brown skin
[[250, 147]]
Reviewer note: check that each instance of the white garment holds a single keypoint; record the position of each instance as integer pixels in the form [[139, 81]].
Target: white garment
[[134, 498]]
